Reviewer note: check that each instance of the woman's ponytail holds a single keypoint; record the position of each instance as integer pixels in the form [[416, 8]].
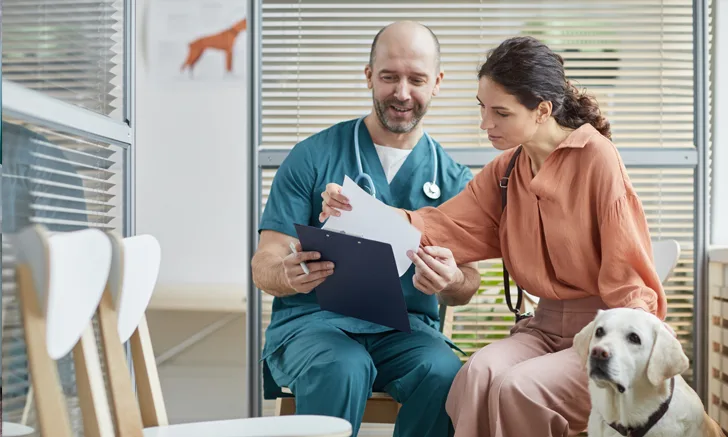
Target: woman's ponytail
[[579, 108]]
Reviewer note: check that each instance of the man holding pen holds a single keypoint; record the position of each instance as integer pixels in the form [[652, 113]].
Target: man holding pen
[[331, 362]]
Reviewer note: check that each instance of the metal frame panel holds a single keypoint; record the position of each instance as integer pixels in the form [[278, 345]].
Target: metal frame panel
[[719, 153], [701, 129], [477, 157], [253, 301], [129, 45], [130, 116], [130, 153], [36, 107]]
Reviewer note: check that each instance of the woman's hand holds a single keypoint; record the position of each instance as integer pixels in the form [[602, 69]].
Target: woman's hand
[[667, 325], [333, 202], [669, 328], [435, 270]]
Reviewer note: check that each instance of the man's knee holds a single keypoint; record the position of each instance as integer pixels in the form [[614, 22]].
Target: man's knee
[[345, 370], [440, 368]]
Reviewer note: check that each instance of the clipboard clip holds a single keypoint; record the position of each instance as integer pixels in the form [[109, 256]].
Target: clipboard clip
[[344, 233]]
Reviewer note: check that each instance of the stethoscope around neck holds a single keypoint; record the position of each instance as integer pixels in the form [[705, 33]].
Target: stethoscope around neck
[[430, 187]]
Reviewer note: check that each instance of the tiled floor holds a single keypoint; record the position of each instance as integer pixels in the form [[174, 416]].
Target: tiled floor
[[207, 381]]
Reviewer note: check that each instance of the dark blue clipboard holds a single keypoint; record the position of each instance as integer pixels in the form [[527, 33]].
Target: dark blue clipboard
[[365, 283]]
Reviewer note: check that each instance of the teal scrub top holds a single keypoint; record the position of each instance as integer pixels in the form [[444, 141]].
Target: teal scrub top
[[295, 197]]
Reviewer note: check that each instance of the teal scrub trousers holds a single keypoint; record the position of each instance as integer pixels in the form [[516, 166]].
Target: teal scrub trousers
[[333, 373]]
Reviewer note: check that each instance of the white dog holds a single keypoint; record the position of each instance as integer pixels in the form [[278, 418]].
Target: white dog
[[634, 364]]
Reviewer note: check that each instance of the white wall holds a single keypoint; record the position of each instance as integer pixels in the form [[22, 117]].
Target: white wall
[[719, 229], [191, 158]]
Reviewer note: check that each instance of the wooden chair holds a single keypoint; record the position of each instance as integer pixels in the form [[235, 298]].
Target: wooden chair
[[134, 269], [63, 280], [380, 407], [60, 279], [666, 254]]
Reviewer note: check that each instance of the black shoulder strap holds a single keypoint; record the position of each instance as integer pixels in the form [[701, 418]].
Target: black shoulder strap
[[506, 278], [504, 179]]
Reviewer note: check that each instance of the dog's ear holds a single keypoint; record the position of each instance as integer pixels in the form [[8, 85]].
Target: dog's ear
[[667, 358], [582, 340]]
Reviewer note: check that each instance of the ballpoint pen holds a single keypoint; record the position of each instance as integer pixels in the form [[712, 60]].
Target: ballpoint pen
[[303, 264]]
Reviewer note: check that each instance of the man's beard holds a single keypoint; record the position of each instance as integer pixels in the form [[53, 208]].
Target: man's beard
[[398, 127]]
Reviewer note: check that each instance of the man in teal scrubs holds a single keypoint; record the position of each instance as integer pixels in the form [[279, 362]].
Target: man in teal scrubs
[[332, 363]]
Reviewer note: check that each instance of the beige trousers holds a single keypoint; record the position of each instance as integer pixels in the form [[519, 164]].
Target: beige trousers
[[530, 384]]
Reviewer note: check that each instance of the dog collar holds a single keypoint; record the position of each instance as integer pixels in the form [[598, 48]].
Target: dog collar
[[641, 431]]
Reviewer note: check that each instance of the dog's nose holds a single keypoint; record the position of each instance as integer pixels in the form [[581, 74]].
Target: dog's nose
[[600, 353]]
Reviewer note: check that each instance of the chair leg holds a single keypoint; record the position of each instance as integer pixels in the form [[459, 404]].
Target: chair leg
[[91, 387], [28, 405], [381, 411], [376, 411], [149, 387], [51, 410], [124, 404], [285, 406]]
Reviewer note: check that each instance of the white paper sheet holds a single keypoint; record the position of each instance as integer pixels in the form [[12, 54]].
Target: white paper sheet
[[374, 220]]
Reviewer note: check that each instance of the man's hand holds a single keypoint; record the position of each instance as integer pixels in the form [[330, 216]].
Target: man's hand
[[297, 279], [435, 270], [333, 202]]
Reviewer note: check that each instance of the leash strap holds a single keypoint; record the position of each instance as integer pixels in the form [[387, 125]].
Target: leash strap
[[506, 278]]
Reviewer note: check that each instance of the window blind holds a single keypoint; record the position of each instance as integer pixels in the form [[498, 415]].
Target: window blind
[[72, 50], [66, 183], [635, 56]]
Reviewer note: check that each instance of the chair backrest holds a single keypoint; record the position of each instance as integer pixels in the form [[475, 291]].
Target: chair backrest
[[63, 280], [665, 254], [132, 278], [134, 271], [60, 280]]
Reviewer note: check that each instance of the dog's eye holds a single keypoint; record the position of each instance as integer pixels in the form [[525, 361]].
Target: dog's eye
[[599, 332], [634, 338]]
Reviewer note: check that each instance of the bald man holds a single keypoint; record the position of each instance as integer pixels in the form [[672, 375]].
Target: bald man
[[332, 362]]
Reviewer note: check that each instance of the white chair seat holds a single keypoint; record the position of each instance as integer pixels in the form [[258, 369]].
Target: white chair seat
[[283, 426], [11, 429]]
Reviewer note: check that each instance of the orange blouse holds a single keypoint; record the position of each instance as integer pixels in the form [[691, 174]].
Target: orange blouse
[[576, 229]]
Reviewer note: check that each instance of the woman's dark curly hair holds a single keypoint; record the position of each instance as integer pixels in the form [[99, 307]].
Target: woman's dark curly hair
[[531, 72]]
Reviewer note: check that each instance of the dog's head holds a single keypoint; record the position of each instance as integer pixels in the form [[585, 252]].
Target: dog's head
[[622, 347]]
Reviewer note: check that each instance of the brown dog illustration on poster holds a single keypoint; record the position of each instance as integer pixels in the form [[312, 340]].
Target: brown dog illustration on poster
[[224, 41]]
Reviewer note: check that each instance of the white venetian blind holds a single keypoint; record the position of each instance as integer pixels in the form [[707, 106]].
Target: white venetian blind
[[635, 56], [71, 50]]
